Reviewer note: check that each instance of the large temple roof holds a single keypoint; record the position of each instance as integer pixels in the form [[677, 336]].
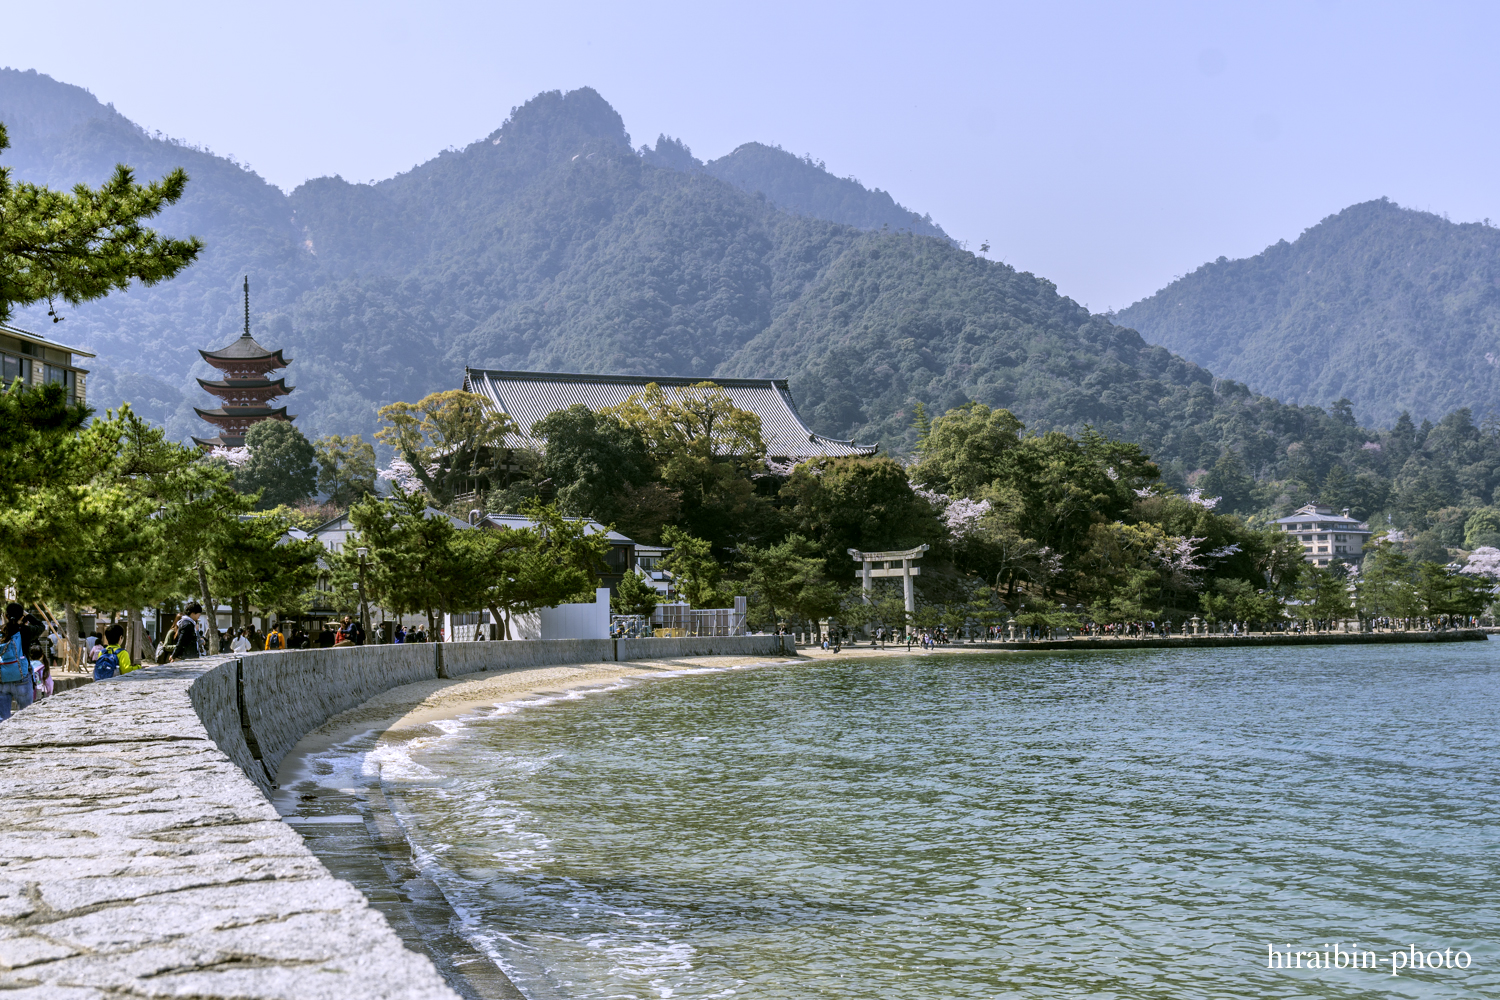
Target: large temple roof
[[529, 396]]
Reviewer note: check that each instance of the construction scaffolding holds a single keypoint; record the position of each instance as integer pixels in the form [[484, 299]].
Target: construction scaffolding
[[679, 619]]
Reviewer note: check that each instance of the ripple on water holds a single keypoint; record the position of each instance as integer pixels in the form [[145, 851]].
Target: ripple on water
[[1137, 824]]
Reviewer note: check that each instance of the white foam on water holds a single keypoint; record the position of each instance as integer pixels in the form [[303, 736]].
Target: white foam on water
[[641, 950]]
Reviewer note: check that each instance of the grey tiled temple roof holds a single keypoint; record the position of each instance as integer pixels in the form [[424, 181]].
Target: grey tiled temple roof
[[529, 396]]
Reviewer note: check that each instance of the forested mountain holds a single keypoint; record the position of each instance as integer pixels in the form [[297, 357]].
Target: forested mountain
[[797, 184], [1392, 308], [552, 244]]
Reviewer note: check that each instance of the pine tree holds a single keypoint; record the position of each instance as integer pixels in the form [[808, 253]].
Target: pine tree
[[81, 246], [346, 468], [634, 596]]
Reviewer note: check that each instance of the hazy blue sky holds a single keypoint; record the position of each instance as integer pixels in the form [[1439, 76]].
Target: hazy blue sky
[[1108, 147]]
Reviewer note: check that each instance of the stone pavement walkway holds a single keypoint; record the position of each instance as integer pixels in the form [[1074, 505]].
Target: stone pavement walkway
[[139, 861]]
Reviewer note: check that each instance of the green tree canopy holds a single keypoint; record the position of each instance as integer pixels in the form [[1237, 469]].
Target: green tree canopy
[[634, 596], [346, 468], [602, 469], [1228, 481], [281, 465], [857, 503], [695, 572], [787, 579], [81, 246], [556, 561], [454, 441]]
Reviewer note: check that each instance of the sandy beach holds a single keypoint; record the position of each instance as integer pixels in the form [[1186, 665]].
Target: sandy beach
[[410, 711]]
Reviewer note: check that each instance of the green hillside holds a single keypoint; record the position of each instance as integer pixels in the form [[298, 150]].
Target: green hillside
[[1392, 308], [553, 244]]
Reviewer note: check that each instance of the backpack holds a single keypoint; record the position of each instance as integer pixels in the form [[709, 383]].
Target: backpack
[[108, 663], [273, 641], [14, 667]]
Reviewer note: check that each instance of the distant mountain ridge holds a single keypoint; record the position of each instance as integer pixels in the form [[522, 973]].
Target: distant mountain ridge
[[1395, 309], [552, 244], [799, 185]]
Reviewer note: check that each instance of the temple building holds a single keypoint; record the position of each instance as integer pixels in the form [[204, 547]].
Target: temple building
[[529, 396], [246, 388]]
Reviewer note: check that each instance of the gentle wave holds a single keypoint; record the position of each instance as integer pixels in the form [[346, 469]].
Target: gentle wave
[[1133, 824]]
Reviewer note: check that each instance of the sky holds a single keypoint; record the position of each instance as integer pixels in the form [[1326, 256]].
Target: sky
[[1109, 147]]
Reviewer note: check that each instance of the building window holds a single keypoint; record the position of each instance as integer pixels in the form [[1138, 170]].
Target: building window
[[1322, 548], [1322, 538], [62, 376], [12, 368], [1340, 538]]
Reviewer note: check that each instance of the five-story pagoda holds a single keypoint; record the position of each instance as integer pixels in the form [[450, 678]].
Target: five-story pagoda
[[246, 389]]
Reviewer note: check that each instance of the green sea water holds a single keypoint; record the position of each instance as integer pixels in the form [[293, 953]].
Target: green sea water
[[1149, 823]]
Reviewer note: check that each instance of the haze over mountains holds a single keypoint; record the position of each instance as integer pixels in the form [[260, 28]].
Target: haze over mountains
[[1392, 308], [552, 244]]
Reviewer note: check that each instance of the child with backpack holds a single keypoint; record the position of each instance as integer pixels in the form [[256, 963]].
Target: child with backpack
[[15, 668], [41, 673], [112, 658]]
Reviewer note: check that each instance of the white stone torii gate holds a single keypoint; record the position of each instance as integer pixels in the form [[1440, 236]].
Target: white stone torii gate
[[906, 570]]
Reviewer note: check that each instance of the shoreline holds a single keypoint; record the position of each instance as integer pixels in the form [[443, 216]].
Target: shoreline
[[357, 834], [1254, 639], [412, 709]]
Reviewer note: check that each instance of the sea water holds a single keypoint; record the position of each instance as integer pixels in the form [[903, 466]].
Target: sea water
[[1152, 823]]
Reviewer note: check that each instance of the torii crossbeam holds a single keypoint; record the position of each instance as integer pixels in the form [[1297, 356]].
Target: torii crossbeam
[[875, 564]]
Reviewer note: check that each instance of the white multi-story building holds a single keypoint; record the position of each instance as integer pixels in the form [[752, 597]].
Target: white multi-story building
[[1326, 536]]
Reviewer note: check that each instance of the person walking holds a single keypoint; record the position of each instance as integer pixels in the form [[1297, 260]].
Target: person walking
[[15, 669], [52, 645], [326, 637], [241, 644], [41, 673], [274, 638], [112, 658], [189, 644]]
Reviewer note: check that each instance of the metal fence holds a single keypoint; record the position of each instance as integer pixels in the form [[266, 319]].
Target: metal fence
[[679, 620]]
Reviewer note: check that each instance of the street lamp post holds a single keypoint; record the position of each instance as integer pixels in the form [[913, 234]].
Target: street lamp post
[[364, 603]]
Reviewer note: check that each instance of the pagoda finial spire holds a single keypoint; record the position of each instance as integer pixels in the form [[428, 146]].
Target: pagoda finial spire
[[247, 305]]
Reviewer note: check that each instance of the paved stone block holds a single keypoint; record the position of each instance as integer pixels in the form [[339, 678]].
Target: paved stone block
[[143, 858]]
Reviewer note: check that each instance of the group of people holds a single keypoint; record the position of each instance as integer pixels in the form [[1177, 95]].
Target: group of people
[[30, 647], [414, 634], [24, 670], [175, 645]]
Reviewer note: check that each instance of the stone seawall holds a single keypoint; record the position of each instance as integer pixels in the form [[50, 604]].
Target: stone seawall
[[143, 859]]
